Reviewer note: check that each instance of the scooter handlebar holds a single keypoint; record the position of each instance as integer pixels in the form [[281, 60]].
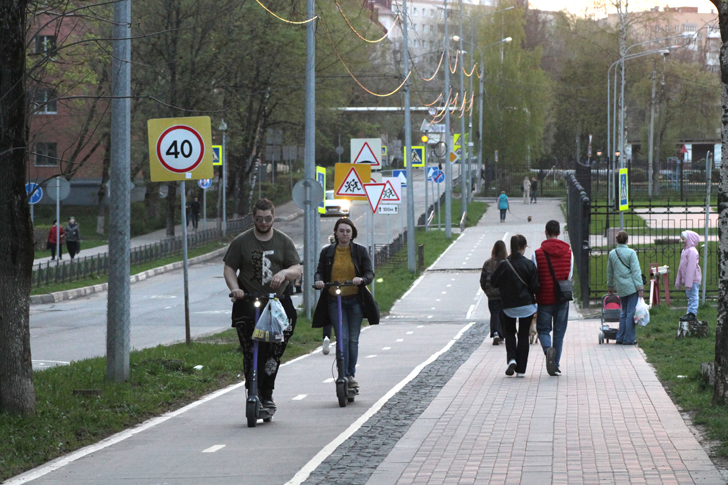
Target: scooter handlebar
[[336, 284]]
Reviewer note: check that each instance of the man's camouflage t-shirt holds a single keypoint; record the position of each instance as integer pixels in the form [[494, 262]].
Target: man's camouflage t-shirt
[[257, 261]]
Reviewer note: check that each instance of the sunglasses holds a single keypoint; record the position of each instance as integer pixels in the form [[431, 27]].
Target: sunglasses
[[266, 219]]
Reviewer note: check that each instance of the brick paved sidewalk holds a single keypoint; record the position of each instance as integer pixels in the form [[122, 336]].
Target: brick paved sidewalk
[[607, 419]]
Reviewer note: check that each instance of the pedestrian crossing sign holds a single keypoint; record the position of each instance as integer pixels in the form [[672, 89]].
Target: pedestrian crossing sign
[[623, 190], [418, 156], [217, 155], [349, 180]]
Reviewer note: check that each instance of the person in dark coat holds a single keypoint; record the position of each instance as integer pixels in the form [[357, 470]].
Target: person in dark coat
[[498, 254], [517, 279], [73, 237], [344, 261]]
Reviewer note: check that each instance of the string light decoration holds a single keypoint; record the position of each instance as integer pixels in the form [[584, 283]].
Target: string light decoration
[[430, 104], [396, 19], [453, 69], [284, 20], [471, 71], [436, 70]]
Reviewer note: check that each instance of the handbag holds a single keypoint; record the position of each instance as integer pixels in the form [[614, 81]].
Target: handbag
[[564, 290], [370, 308]]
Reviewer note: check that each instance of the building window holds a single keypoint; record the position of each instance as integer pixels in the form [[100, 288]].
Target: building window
[[46, 44], [46, 155], [432, 12], [414, 12], [45, 102], [414, 27], [690, 28], [416, 43], [424, 44]]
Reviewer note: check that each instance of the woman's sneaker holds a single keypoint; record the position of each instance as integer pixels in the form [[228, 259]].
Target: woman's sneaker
[[352, 383], [511, 367], [325, 347], [688, 317]]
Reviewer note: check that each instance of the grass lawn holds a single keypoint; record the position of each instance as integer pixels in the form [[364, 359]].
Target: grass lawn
[[677, 363], [162, 379]]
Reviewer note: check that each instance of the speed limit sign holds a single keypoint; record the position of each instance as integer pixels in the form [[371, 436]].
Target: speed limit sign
[[180, 149]]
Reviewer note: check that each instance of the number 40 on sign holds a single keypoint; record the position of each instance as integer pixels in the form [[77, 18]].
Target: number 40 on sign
[[180, 149]]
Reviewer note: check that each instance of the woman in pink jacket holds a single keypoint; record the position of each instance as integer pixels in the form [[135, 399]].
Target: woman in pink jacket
[[689, 274]]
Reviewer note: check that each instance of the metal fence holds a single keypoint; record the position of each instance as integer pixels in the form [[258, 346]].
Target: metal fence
[[80, 268], [394, 254], [578, 222]]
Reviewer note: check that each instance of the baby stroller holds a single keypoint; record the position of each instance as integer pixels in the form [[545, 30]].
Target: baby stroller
[[611, 309]]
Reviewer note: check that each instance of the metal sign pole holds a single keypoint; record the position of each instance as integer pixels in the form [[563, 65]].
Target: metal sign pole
[[374, 249], [204, 209], [224, 186], [184, 259], [427, 202], [58, 218]]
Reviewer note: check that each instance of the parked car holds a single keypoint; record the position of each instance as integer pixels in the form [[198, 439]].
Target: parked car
[[335, 207]]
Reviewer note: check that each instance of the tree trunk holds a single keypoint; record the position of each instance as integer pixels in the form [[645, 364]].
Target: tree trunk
[[151, 200], [720, 396], [17, 394]]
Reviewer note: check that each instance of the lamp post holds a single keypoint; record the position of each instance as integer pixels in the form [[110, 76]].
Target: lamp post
[[222, 220]]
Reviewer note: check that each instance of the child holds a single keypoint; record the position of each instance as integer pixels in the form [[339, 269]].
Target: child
[[503, 206], [689, 274]]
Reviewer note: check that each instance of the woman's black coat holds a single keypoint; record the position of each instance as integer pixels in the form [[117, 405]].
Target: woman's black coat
[[513, 292], [363, 267]]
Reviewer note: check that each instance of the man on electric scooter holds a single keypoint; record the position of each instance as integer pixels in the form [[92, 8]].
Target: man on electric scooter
[[261, 260]]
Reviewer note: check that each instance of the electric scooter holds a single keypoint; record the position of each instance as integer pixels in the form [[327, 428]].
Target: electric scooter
[[254, 409], [344, 393]]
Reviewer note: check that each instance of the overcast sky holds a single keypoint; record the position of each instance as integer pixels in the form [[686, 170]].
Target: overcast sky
[[579, 6]]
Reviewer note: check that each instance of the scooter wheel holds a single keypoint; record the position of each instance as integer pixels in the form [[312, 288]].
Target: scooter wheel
[[350, 399], [341, 394], [251, 412]]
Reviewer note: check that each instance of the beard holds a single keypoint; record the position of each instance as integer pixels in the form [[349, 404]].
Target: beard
[[263, 231]]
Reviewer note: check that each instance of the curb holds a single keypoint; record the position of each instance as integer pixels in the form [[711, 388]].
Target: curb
[[290, 217], [89, 290]]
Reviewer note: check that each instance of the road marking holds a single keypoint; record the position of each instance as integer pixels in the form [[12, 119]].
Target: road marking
[[167, 307], [470, 312], [162, 296], [410, 333], [370, 356], [433, 308], [448, 286], [438, 299], [505, 236], [399, 340], [212, 312], [429, 316], [444, 292], [420, 326], [306, 471], [386, 348], [300, 397], [213, 449], [329, 380]]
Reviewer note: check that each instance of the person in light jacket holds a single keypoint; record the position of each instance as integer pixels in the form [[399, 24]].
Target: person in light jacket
[[624, 274], [503, 205], [526, 190], [689, 274]]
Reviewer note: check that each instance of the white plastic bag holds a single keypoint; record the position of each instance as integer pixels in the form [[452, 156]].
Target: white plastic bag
[[271, 323], [642, 313]]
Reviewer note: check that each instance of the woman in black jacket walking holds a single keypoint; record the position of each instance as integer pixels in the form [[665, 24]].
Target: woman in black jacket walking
[[345, 261], [517, 279]]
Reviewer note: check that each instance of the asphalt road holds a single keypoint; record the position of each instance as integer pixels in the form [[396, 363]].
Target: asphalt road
[[76, 329]]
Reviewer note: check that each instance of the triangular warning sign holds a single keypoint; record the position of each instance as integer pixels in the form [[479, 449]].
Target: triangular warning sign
[[352, 186], [389, 194], [374, 195], [366, 155]]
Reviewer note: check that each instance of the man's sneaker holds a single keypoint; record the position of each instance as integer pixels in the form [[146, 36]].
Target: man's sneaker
[[352, 383], [688, 317], [551, 361], [496, 341], [558, 372], [325, 348], [266, 399], [520, 374], [511, 367]]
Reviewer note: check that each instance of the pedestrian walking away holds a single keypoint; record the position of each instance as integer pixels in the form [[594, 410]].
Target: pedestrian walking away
[[517, 279], [261, 260], [554, 262], [526, 190], [52, 240], [188, 210], [689, 274], [534, 189], [195, 212], [73, 237], [497, 254], [344, 260], [503, 206], [624, 277]]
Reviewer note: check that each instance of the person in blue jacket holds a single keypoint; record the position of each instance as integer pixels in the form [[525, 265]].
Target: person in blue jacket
[[503, 206]]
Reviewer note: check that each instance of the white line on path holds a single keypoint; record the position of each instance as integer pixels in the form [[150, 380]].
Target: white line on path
[[410, 333], [370, 356], [414, 285], [300, 397], [470, 312], [420, 326], [304, 472], [386, 348], [213, 449], [329, 380], [399, 340]]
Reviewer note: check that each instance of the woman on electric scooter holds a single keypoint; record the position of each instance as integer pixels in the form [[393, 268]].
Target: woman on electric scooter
[[345, 261]]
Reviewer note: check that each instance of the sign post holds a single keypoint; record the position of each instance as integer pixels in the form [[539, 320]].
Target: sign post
[[35, 194], [58, 190], [204, 185], [181, 149]]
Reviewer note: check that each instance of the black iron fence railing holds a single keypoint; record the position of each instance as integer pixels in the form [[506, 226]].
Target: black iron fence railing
[[394, 254], [577, 220], [48, 273]]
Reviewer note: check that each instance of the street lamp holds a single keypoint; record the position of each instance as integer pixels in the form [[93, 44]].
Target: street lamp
[[222, 224]]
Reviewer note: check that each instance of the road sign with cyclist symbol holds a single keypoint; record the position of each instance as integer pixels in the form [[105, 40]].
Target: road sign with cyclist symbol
[[180, 149]]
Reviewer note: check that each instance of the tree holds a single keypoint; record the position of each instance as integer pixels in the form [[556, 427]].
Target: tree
[[17, 394], [720, 395]]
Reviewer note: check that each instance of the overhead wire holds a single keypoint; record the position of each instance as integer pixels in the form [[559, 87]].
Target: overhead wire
[[396, 19], [285, 20]]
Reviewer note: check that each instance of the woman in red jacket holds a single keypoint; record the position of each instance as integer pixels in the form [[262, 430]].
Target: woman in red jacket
[[53, 240]]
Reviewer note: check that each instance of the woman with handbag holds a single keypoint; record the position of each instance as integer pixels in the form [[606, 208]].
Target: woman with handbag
[[624, 274], [517, 279], [497, 254], [346, 261]]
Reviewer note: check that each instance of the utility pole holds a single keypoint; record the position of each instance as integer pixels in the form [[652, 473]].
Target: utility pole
[[407, 144], [448, 164], [118, 307], [309, 162], [470, 115], [463, 146], [652, 131], [480, 121]]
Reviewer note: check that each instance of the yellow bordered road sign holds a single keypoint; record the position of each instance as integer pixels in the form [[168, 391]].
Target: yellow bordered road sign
[[349, 180], [180, 149], [217, 155], [418, 156]]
